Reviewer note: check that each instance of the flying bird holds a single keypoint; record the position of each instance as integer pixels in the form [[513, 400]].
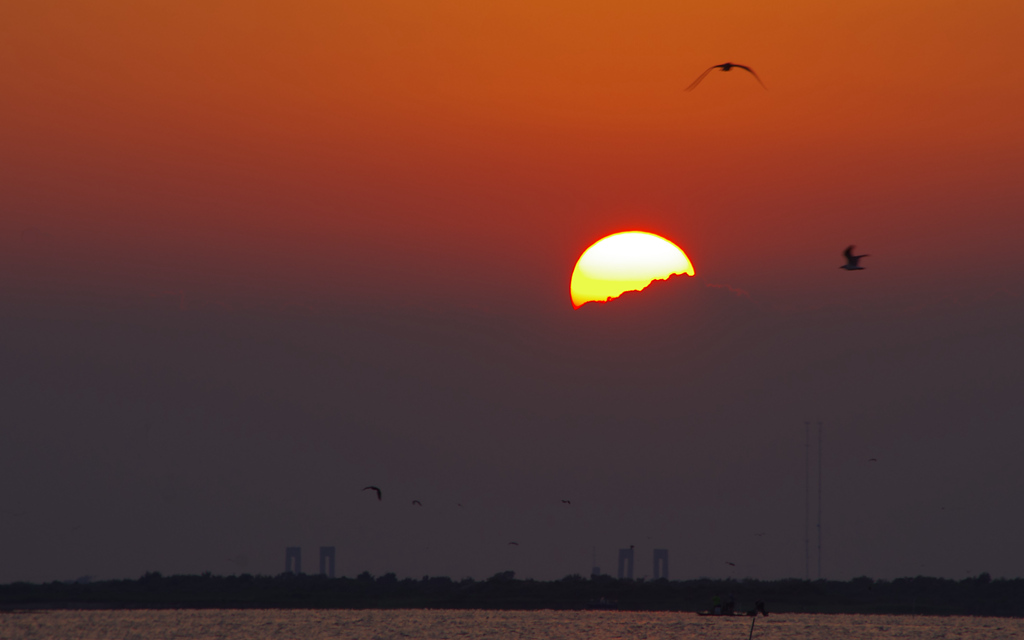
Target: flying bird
[[872, 459], [566, 502], [725, 67], [417, 503], [730, 564], [852, 261], [372, 488], [514, 544]]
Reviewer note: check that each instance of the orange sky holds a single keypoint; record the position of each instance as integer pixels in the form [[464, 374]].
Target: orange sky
[[351, 143], [255, 253]]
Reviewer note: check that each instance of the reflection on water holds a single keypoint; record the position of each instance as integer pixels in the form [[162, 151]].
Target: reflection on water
[[524, 625]]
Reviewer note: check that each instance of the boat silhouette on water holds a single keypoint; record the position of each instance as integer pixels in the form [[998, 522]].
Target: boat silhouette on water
[[728, 610]]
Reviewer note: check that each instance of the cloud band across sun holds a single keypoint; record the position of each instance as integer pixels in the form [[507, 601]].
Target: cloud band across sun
[[627, 261]]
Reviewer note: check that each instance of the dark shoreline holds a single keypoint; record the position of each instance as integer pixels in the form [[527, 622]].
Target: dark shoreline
[[979, 596]]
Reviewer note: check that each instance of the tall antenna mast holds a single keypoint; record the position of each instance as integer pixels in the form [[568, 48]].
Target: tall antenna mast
[[819, 500], [807, 500]]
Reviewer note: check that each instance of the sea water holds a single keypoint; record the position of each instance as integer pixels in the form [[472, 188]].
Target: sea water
[[265, 624]]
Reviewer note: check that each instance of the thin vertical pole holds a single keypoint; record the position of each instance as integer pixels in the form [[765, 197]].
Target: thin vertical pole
[[819, 500], [807, 500]]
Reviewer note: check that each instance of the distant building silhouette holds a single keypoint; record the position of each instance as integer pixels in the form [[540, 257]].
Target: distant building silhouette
[[293, 560], [626, 558], [660, 564], [327, 561]]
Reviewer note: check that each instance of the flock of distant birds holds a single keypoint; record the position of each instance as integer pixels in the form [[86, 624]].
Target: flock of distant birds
[[417, 503], [760, 534]]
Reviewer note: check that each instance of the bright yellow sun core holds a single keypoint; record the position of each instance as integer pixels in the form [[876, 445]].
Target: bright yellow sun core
[[627, 261]]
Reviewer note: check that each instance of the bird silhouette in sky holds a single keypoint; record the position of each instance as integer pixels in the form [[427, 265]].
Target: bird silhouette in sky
[[725, 67], [759, 535], [373, 488], [872, 459], [730, 564], [852, 261], [417, 503], [566, 501], [514, 544]]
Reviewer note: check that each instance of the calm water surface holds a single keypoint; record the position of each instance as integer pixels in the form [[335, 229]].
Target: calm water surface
[[525, 625]]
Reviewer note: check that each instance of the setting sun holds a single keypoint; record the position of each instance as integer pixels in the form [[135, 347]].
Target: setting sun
[[627, 261]]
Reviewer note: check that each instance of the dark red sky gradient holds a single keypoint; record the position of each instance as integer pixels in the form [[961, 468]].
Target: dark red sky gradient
[[231, 231]]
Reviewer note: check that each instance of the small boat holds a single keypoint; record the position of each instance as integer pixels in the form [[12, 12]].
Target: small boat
[[603, 603], [728, 611]]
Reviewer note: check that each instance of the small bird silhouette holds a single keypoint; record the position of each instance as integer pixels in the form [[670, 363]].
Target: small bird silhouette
[[730, 564], [725, 67], [372, 488], [872, 459], [417, 503], [566, 501], [759, 535], [514, 544], [852, 261]]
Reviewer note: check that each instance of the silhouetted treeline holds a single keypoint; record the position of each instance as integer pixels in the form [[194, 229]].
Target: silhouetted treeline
[[934, 596]]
